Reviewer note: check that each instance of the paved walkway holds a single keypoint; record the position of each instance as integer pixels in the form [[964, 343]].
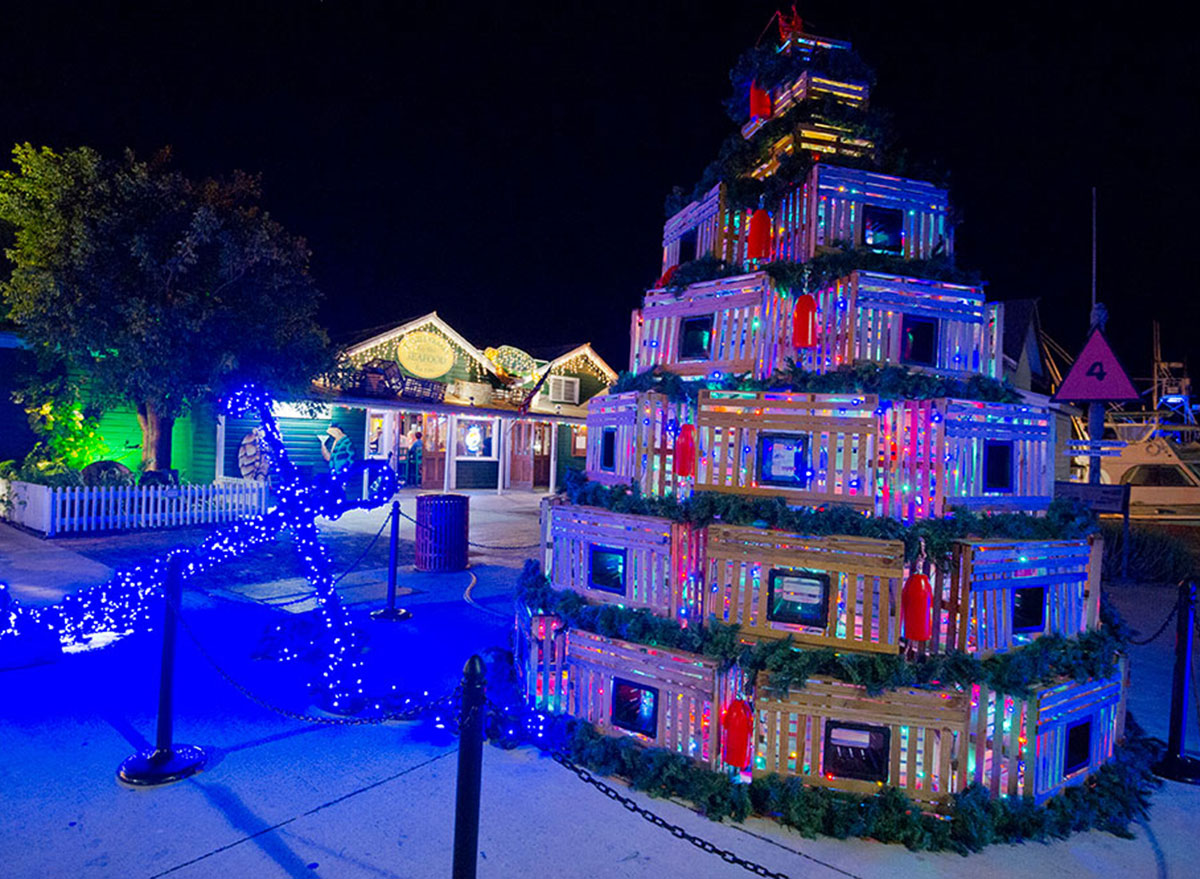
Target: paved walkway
[[286, 799]]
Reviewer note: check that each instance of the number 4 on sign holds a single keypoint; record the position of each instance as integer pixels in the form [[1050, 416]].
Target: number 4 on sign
[[1096, 376]]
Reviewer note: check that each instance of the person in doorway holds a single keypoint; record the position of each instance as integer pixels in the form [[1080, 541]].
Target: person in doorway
[[339, 453], [415, 452]]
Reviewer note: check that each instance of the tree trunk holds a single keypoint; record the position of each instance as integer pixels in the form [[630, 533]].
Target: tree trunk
[[156, 437]]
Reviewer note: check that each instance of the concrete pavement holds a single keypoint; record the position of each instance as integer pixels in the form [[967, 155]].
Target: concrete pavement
[[287, 799]]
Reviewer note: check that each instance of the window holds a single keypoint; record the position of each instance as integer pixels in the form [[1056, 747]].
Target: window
[[606, 568], [919, 340], [608, 449], [997, 465], [635, 707], [1156, 475], [856, 750], [695, 338], [1029, 609], [475, 439], [1078, 753], [563, 389], [883, 229], [783, 459], [798, 596], [687, 247]]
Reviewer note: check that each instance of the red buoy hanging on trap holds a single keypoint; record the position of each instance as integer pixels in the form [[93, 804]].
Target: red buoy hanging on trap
[[760, 102], [737, 723], [685, 451], [916, 602], [758, 243], [804, 322]]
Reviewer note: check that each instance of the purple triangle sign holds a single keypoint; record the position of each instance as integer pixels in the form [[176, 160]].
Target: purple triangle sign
[[1096, 376]]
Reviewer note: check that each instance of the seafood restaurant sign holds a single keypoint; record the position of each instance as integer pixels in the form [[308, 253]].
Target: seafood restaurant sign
[[425, 354]]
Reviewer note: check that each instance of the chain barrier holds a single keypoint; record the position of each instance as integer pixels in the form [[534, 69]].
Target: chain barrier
[[410, 713], [1144, 641], [472, 542], [674, 829], [363, 555]]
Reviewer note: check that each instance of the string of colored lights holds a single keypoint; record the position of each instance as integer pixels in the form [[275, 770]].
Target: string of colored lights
[[98, 615]]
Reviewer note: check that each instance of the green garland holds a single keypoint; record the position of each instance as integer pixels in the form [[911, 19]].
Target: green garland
[[825, 268], [1048, 660], [1117, 794], [1064, 519]]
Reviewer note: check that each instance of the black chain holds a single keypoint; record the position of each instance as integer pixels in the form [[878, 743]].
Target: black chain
[[1144, 641], [674, 829], [472, 542]]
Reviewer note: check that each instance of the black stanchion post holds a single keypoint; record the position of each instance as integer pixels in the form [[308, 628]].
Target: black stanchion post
[[391, 612], [1175, 765], [167, 762], [470, 767]]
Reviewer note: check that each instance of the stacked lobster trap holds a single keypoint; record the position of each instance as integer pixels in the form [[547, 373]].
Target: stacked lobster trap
[[874, 454]]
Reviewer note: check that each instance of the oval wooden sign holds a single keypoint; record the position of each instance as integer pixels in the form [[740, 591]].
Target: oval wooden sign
[[425, 354]]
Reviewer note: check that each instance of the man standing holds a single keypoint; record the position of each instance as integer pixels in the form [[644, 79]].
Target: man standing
[[339, 453], [415, 453]]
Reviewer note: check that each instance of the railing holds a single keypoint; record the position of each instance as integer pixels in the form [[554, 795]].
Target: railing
[[85, 509]]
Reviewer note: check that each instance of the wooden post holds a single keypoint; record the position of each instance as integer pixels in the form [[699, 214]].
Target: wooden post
[[553, 457], [451, 430]]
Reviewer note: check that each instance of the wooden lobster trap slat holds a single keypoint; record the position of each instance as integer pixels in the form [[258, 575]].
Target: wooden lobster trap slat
[[541, 659], [938, 454], [1036, 747], [835, 735], [729, 326], [665, 698], [631, 440], [898, 215], [810, 449], [623, 559], [1011, 592], [891, 319], [838, 592]]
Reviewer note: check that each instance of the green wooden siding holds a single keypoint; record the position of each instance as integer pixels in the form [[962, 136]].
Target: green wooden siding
[[300, 438]]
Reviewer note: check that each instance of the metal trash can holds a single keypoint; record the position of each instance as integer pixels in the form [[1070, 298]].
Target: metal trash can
[[441, 533]]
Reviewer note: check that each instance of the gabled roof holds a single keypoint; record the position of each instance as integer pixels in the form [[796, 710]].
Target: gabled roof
[[1019, 315], [588, 351], [430, 319]]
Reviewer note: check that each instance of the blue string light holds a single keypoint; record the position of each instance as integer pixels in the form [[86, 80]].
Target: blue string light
[[98, 615]]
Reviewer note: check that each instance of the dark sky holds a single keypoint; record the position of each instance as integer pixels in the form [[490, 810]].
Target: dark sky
[[505, 164]]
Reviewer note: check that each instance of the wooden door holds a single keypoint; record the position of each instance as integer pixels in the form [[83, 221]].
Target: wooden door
[[540, 454], [520, 471]]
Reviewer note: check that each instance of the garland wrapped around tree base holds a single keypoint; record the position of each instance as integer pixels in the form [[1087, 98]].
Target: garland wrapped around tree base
[[1048, 660], [1117, 794]]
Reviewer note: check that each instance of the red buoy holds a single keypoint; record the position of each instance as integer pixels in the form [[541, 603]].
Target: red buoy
[[804, 322], [685, 451], [737, 724], [916, 602], [760, 102], [758, 244]]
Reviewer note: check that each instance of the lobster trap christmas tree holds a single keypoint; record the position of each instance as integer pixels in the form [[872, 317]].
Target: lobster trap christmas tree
[[817, 535]]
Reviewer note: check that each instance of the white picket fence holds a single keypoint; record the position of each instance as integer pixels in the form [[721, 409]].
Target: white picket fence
[[83, 509]]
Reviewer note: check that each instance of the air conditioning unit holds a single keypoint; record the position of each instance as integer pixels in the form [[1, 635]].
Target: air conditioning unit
[[562, 389]]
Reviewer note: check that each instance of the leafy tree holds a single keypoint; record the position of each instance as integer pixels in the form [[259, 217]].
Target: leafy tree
[[162, 290]]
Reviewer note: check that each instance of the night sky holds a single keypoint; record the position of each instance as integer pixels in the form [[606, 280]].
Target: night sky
[[506, 164]]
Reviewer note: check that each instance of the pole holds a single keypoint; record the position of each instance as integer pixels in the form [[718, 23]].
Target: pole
[[391, 612], [470, 767], [1095, 435], [167, 762], [1125, 533], [1175, 765]]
